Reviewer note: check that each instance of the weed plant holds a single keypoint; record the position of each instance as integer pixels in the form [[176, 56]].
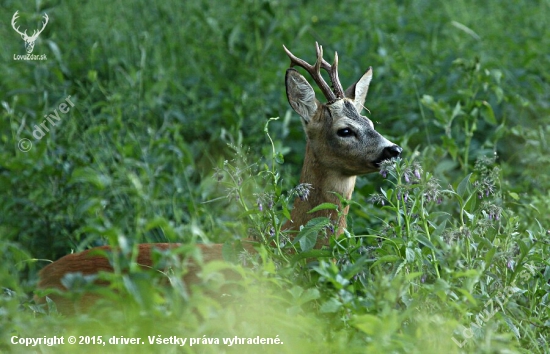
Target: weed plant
[[172, 139]]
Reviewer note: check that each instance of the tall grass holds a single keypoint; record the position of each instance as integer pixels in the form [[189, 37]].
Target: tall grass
[[446, 249]]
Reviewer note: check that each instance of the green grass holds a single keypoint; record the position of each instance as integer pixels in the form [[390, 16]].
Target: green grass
[[161, 89]]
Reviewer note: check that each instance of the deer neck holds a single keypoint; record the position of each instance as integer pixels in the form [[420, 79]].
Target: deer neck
[[324, 185]]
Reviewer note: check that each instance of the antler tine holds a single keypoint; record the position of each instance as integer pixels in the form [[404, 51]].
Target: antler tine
[[13, 23], [333, 72], [314, 70], [43, 24]]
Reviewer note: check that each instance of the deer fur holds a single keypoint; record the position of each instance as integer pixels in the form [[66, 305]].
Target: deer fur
[[91, 262]]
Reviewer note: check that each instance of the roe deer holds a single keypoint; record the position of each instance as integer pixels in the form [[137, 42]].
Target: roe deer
[[341, 144]]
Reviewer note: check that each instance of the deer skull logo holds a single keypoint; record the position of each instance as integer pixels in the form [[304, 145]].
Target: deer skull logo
[[29, 40]]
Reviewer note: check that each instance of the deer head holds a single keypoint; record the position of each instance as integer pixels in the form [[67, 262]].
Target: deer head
[[341, 143], [29, 40], [342, 140]]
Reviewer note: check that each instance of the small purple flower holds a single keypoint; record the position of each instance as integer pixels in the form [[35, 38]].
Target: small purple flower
[[406, 196], [417, 173], [384, 173], [260, 206], [406, 176]]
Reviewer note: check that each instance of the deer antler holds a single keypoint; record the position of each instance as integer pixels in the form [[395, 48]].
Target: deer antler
[[13, 20], [315, 72], [24, 34], [43, 26]]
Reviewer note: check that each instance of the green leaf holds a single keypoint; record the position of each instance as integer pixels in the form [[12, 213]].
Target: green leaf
[[470, 273], [286, 213], [301, 297], [515, 196], [487, 113], [450, 145], [524, 249], [296, 291], [463, 185], [307, 237], [92, 75], [163, 224], [308, 240], [311, 254], [323, 206], [388, 258], [234, 37], [489, 257], [368, 324], [414, 275], [424, 240], [468, 295], [309, 295], [439, 230], [409, 255], [279, 158], [89, 175], [427, 100], [52, 307], [457, 111], [331, 306], [89, 206]]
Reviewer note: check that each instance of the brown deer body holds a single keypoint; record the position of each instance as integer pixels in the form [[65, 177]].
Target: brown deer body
[[341, 144]]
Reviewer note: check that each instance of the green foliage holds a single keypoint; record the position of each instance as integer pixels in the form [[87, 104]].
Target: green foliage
[[171, 140]]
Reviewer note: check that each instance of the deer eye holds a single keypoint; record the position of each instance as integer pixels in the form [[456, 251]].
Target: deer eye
[[344, 133]]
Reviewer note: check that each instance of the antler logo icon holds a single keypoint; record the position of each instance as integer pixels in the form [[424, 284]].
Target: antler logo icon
[[29, 40]]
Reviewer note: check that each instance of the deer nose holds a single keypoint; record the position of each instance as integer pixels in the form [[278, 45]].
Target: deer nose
[[391, 151]]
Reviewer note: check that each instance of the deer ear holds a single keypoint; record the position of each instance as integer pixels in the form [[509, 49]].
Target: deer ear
[[358, 91], [300, 95]]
